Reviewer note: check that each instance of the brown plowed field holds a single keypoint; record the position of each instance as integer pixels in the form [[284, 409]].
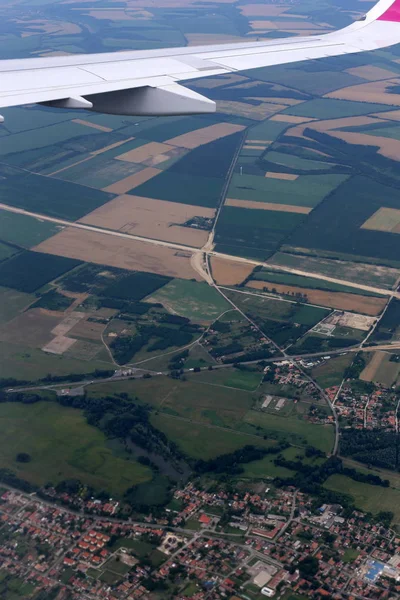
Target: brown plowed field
[[368, 305], [119, 252], [227, 272], [197, 138], [304, 210]]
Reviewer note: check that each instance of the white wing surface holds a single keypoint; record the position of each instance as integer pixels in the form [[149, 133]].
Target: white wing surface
[[147, 82]]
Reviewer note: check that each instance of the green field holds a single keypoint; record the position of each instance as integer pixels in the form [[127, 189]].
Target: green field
[[202, 441], [196, 301], [331, 373], [260, 469], [356, 272], [29, 271], [371, 498], [24, 231], [330, 108], [13, 302], [298, 163], [48, 196], [292, 429], [231, 378], [22, 362], [6, 251], [193, 400], [62, 446], [307, 190], [185, 189], [280, 310]]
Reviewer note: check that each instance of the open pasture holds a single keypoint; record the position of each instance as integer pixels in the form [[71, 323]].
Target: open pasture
[[62, 446], [151, 218], [203, 441], [12, 303], [294, 429], [31, 328], [331, 372], [119, 252], [196, 301], [381, 370], [370, 498]]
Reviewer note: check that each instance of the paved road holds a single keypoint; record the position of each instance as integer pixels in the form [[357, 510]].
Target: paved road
[[204, 250]]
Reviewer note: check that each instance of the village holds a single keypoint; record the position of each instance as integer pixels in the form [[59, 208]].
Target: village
[[206, 545]]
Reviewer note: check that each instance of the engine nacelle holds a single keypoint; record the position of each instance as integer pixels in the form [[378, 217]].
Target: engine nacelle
[[166, 100]]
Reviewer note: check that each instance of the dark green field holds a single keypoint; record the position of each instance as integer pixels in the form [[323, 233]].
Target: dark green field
[[48, 196], [29, 271], [335, 224], [253, 233], [182, 188]]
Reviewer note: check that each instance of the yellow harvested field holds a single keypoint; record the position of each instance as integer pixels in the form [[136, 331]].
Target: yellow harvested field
[[303, 210], [291, 119], [202, 136], [384, 219], [113, 14], [111, 146], [103, 249], [210, 82], [262, 10], [250, 147], [287, 176], [265, 142], [375, 91], [151, 218], [367, 305], [391, 115], [205, 39], [229, 272], [93, 125], [88, 330], [371, 73], [59, 345], [368, 374], [128, 183], [138, 155], [387, 146]]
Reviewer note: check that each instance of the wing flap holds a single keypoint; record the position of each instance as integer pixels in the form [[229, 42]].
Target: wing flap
[[27, 81]]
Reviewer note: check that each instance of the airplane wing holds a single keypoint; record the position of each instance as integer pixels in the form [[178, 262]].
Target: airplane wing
[[147, 82]]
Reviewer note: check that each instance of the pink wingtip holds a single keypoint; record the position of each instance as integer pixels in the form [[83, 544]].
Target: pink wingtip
[[392, 13]]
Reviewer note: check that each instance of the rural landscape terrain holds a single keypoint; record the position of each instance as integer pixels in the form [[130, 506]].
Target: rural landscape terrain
[[200, 319]]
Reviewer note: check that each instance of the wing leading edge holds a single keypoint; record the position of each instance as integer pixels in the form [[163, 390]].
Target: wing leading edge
[[147, 82]]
